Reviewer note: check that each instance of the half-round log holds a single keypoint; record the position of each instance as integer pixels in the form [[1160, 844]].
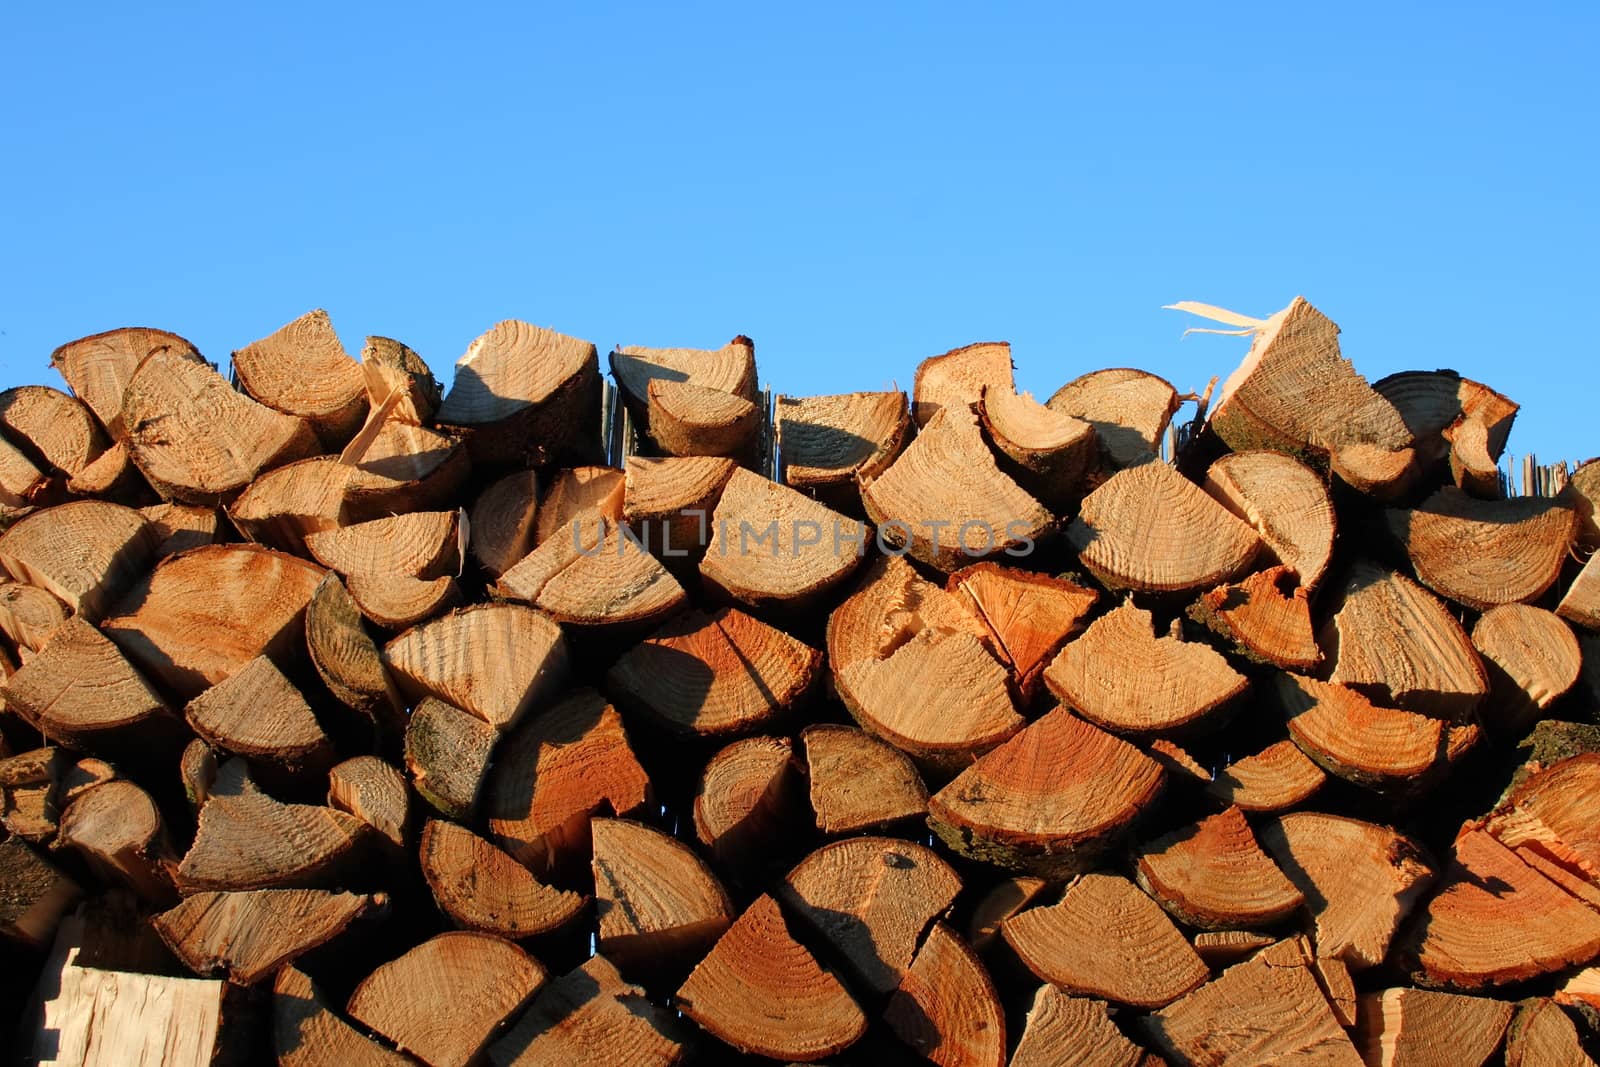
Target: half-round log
[[302, 369], [481, 888], [831, 444], [658, 905], [99, 367], [1215, 876], [1485, 552], [249, 936], [1129, 410], [957, 379]]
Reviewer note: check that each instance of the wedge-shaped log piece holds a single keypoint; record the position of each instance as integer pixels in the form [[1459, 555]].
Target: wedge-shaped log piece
[[772, 546], [118, 831], [1029, 616], [1284, 501], [1581, 990], [1067, 1031], [890, 606], [494, 660], [284, 506], [1581, 602], [99, 367], [692, 401], [1129, 410], [947, 501], [55, 430], [29, 614], [392, 368], [1121, 676], [1050, 800], [251, 841], [502, 521], [1004, 899], [1555, 811], [346, 657], [857, 782], [1582, 495], [196, 439], [1485, 552], [1224, 948], [405, 468], [112, 476], [1267, 616], [1274, 779], [248, 936], [1053, 452], [1532, 658], [1351, 737], [555, 770], [1214, 875], [1268, 1009], [447, 753], [1150, 529], [36, 896], [1360, 880], [21, 481], [81, 690], [872, 899], [1438, 405], [1425, 1028], [829, 443], [306, 1032], [946, 1008], [443, 1000], [715, 674], [374, 792], [659, 906], [86, 553], [302, 369], [760, 991], [1541, 1033], [259, 714], [668, 501], [481, 888], [746, 795], [395, 602], [957, 379], [1105, 938], [591, 1015], [594, 580], [420, 544], [180, 527], [1398, 644], [583, 497]]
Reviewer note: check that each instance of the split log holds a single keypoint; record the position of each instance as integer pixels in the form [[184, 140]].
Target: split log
[[1105, 938], [607, 579], [1582, 495], [1148, 528], [29, 614], [1581, 601], [1276, 778], [746, 796], [946, 1008], [1050, 800], [1052, 452], [669, 501], [773, 546], [1029, 616], [21, 482], [1129, 410], [946, 501], [1390, 476], [374, 792], [347, 659], [830, 445], [447, 752], [284, 506], [692, 401], [99, 367], [257, 713], [1176, 759], [481, 888], [556, 770], [1338, 988], [1215, 876], [1224, 948], [420, 544], [254, 596], [1485, 552], [1284, 502], [1582, 990], [1456, 422], [31, 793], [306, 1032], [395, 602], [118, 831], [249, 936], [87, 553], [302, 369], [251, 841], [760, 991], [956, 380], [591, 1015], [871, 899], [180, 527], [579, 499], [1532, 659], [494, 660], [405, 468], [1121, 676], [1004, 899], [1267, 617], [445, 999], [112, 476], [1066, 1031], [57, 432], [1424, 1028], [658, 905], [857, 782], [1541, 1035], [502, 521], [1555, 811], [715, 674], [35, 897], [1349, 736], [530, 396], [396, 374]]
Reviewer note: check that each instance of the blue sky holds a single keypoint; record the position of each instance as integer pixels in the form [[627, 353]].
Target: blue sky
[[855, 189]]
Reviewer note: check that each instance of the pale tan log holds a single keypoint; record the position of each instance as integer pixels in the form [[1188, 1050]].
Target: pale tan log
[[692, 401], [248, 936], [1389, 476], [1582, 495], [583, 497], [658, 905], [604, 577], [284, 506], [830, 443], [396, 602], [259, 714], [21, 481], [180, 527], [87, 553], [858, 782], [81, 690], [1129, 410], [591, 1015], [946, 1007], [307, 1032], [957, 379], [669, 501], [112, 476], [374, 792], [1485, 552], [1053, 451], [481, 888], [772, 546], [1580, 603], [502, 521], [1424, 1028], [1456, 421], [419, 544], [397, 375], [302, 369], [745, 796], [1066, 1031], [1285, 502], [99, 367], [251, 841], [55, 430], [29, 614], [118, 831], [1532, 658]]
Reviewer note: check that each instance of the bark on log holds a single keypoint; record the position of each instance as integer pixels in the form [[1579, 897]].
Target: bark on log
[[447, 754], [99, 367], [1267, 617]]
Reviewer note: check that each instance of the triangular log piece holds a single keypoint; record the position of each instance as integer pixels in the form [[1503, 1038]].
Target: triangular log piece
[[1424, 1028], [599, 581], [420, 544], [1215, 876], [1485, 552], [346, 657], [1581, 601], [1349, 736], [772, 546], [21, 481], [56, 431], [1053, 452], [1129, 410], [1067, 1031], [659, 906], [591, 1015], [287, 504], [1224, 948], [581, 498], [481, 888], [746, 796], [1267, 617], [946, 1008], [1274, 779], [248, 936], [390, 367], [447, 752], [1542, 1035], [502, 521], [395, 602], [1582, 495], [830, 444], [1028, 615], [1532, 658], [858, 782], [1285, 502], [1555, 811], [957, 379], [117, 829], [99, 367], [302, 369], [180, 527], [259, 714], [374, 792], [80, 689], [87, 553], [306, 1032], [668, 501], [251, 841]]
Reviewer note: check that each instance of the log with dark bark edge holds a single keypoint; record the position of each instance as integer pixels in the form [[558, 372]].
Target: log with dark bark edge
[[481, 888], [658, 906], [1542, 1035], [251, 841], [591, 1015], [946, 500], [284, 506], [502, 521], [1129, 410], [858, 782], [347, 659], [302, 369], [1485, 552], [1050, 800], [956, 380], [54, 430], [1582, 495], [405, 468], [1267, 617], [946, 1008], [87, 553], [257, 713], [1213, 875], [692, 401], [831, 444], [762, 992], [871, 899], [1052, 452], [1581, 601], [1068, 1031], [1029, 616], [307, 1032], [1268, 1009], [118, 831], [599, 577], [248, 936], [1424, 1028], [1458, 423], [1360, 880], [1106, 938], [998, 903], [180, 527], [1532, 658], [392, 370], [494, 660], [1150, 529], [1395, 642], [746, 799], [447, 752], [29, 614], [21, 482], [444, 1000], [34, 897], [715, 674], [1122, 677], [555, 770], [668, 502], [374, 792], [1351, 737], [395, 602], [582, 497], [1555, 811], [528, 395], [1276, 778], [420, 544], [99, 367]]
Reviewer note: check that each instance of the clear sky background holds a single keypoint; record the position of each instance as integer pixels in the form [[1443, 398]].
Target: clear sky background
[[854, 186]]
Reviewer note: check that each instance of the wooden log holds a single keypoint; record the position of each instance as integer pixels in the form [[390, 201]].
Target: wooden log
[[1224, 948], [284, 506], [946, 1008], [1532, 658], [607, 579], [118, 831], [1029, 616], [1485, 552], [1440, 408], [1050, 800], [444, 1000], [481, 888], [745, 799], [692, 401], [1215, 876], [1350, 737], [591, 1015], [257, 713], [668, 501], [1067, 1031], [81, 690], [1580, 603], [583, 497], [956, 380], [1541, 1033], [1424, 1028], [1129, 410], [346, 657], [87, 553], [406, 468], [180, 527], [502, 521], [99, 367], [1581, 990], [1553, 810], [31, 793], [1052, 452], [1122, 677], [946, 501], [1582, 495], [762, 992], [830, 445], [658, 905], [112, 476], [251, 841], [857, 782], [21, 481], [57, 432], [1174, 758], [302, 369], [1277, 778], [396, 602], [1390, 476], [419, 544], [393, 370], [374, 792], [249, 936], [307, 1032], [35, 898], [1150, 529], [447, 752], [1001, 901], [1266, 616], [1105, 938], [29, 614]]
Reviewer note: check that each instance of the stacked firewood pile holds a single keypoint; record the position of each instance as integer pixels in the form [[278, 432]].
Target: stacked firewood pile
[[348, 720]]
